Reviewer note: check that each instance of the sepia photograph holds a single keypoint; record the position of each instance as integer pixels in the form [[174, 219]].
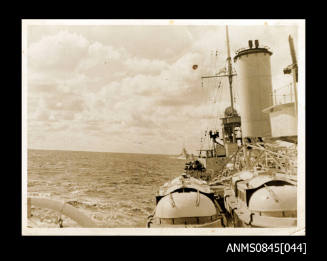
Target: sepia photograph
[[163, 127]]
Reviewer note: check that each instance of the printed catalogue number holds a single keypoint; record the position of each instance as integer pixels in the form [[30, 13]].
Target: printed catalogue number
[[280, 248]]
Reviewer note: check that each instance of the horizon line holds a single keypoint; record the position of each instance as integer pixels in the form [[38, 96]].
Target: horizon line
[[104, 151]]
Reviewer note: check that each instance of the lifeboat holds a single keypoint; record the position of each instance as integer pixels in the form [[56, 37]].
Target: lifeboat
[[261, 200], [186, 202]]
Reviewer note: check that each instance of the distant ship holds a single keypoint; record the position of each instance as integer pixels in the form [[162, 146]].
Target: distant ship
[[185, 156]]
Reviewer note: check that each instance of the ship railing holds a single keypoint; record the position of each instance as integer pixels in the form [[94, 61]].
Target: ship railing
[[267, 47], [284, 94]]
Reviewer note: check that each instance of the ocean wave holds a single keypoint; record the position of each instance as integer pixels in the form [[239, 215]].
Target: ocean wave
[[116, 190]]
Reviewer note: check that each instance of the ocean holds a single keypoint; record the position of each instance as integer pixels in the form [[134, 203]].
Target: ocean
[[114, 189]]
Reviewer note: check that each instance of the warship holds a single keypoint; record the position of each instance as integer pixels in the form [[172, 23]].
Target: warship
[[248, 176], [184, 155]]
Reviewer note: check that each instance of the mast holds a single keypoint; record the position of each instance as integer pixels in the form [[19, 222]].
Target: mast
[[230, 73], [294, 69]]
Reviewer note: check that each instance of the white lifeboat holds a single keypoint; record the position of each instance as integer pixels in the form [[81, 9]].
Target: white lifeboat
[[186, 202], [261, 201], [274, 200], [191, 204]]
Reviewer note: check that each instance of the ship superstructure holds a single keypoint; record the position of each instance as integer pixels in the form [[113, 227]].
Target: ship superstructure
[[262, 190], [250, 169]]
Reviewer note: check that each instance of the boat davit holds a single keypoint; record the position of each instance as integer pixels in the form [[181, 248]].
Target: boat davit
[[186, 202]]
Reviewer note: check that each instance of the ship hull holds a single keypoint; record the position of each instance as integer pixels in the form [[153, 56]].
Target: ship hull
[[216, 223], [244, 221]]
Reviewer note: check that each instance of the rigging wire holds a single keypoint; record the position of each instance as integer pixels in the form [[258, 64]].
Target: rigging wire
[[216, 94], [205, 98], [219, 108], [215, 68], [218, 91], [217, 82], [206, 92]]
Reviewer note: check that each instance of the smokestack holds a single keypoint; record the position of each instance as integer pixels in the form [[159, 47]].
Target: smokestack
[[250, 44], [256, 42]]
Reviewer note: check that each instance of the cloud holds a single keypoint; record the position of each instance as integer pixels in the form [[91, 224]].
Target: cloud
[[139, 120], [145, 66], [42, 116], [130, 88], [65, 102], [100, 58], [62, 51]]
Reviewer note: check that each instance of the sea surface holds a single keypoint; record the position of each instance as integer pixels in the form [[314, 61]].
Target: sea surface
[[114, 189]]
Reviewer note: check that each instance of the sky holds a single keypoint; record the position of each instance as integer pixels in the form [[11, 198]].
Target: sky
[[132, 88]]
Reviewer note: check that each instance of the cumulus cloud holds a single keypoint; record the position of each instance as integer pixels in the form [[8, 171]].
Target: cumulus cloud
[[128, 89], [62, 51]]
